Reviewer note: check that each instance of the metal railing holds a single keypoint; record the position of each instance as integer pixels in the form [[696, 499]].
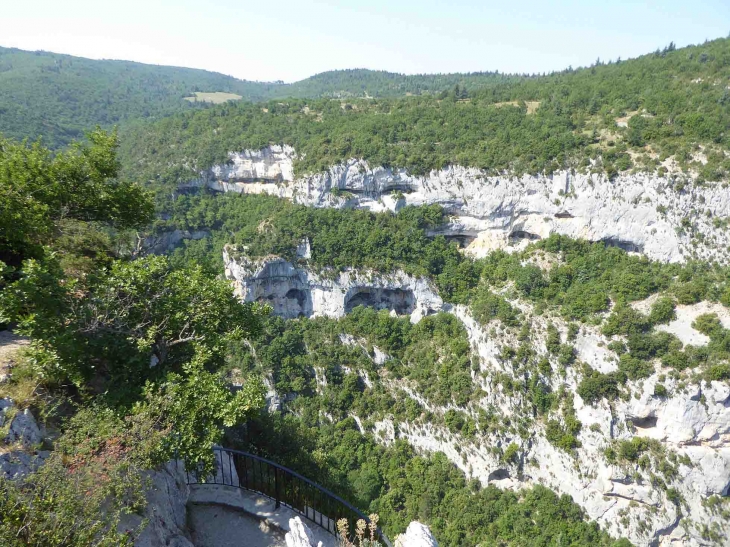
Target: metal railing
[[285, 487]]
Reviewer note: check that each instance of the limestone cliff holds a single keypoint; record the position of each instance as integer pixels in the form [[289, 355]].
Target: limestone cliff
[[294, 291], [691, 424], [667, 218]]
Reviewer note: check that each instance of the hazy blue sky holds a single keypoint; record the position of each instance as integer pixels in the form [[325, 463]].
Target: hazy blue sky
[[291, 39]]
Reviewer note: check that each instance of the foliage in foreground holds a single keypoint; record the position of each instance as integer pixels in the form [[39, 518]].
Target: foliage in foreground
[[83, 492], [42, 194], [132, 347]]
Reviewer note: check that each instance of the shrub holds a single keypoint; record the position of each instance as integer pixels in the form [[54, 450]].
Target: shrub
[[649, 346], [560, 437], [662, 311], [510, 453], [455, 420], [617, 346], [597, 386], [708, 324], [566, 355], [487, 306], [674, 496], [719, 372], [633, 368], [632, 449], [690, 292], [552, 342], [625, 320]]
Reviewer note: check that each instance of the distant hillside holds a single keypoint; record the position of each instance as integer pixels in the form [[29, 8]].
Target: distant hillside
[[59, 97], [664, 110], [674, 97], [378, 83]]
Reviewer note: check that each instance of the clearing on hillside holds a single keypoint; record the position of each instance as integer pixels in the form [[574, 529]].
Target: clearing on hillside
[[531, 105], [215, 97]]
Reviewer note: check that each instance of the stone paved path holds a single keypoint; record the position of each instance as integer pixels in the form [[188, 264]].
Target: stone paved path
[[219, 526]]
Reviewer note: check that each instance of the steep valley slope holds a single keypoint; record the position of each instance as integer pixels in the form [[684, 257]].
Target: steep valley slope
[[621, 402], [500, 307]]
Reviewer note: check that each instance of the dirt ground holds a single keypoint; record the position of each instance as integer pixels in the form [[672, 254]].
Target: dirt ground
[[10, 343]]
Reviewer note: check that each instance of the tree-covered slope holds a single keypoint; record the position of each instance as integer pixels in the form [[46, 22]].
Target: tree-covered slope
[[379, 83], [608, 117], [59, 96]]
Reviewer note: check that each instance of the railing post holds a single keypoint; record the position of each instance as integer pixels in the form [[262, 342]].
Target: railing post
[[277, 492]]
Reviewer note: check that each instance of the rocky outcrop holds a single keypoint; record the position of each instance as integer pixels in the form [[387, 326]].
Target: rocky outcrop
[[166, 242], [294, 291], [166, 510], [299, 535], [22, 427], [645, 213], [273, 164], [417, 535], [22, 436], [692, 425]]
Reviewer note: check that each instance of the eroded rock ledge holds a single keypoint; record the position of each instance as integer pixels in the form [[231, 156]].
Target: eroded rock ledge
[[294, 291], [637, 212]]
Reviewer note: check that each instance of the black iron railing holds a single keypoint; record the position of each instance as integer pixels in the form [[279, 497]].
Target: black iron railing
[[284, 487]]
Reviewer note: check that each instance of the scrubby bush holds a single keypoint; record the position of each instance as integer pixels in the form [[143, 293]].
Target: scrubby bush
[[597, 386], [662, 311], [633, 368], [487, 306]]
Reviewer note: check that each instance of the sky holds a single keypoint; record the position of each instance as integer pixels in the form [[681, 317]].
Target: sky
[[291, 39]]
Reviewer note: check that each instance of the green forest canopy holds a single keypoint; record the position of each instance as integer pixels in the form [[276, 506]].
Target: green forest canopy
[[58, 97], [670, 103]]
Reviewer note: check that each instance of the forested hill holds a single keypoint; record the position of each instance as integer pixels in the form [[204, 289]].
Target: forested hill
[[60, 96], [669, 98], [365, 83], [671, 106]]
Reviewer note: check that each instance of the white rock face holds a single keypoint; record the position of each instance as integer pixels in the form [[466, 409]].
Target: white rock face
[[23, 427], [638, 212], [417, 535], [296, 291], [693, 422], [166, 510], [641, 213], [299, 535], [167, 241], [270, 164], [682, 328]]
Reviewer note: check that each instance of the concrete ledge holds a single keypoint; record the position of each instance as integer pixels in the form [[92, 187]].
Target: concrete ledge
[[256, 505]]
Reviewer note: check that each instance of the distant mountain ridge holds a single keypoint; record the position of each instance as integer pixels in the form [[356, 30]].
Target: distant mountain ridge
[[58, 97]]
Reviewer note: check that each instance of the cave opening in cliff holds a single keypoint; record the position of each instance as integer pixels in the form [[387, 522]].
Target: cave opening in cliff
[[645, 422], [520, 235], [462, 240], [290, 304], [628, 246], [402, 301]]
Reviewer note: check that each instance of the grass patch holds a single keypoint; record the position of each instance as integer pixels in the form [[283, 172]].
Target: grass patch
[[215, 97], [532, 106]]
